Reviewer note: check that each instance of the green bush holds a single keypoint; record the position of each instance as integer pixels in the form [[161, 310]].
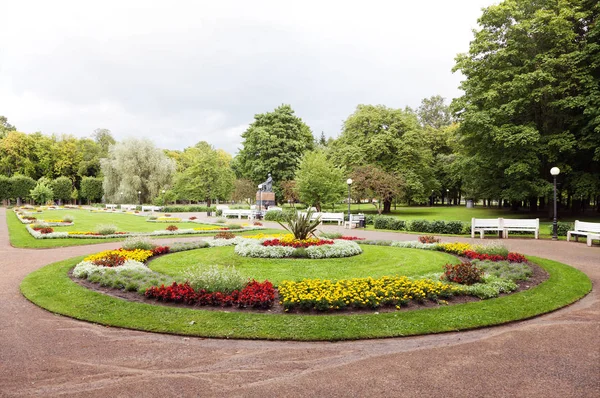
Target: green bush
[[138, 242], [454, 227], [187, 209], [420, 226], [382, 222], [493, 249], [281, 216], [562, 228], [464, 273], [397, 225], [505, 269]]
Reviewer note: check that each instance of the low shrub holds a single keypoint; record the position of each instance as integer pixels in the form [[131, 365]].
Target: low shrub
[[183, 246], [421, 226], [221, 220], [187, 209], [224, 235], [397, 225], [216, 279], [330, 235], [562, 228], [138, 242], [152, 218], [454, 227], [257, 224], [493, 249], [382, 222], [429, 239], [68, 218], [110, 260], [234, 226], [172, 228], [158, 250], [465, 273], [192, 218], [505, 269], [106, 229]]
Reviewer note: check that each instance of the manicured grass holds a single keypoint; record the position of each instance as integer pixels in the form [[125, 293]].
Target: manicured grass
[[461, 213], [376, 261], [51, 288], [19, 237]]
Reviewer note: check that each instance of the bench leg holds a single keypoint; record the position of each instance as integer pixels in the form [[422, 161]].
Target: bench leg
[[589, 240], [481, 233], [568, 236]]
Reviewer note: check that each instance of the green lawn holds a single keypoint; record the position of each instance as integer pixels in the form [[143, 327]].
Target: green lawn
[[87, 221], [461, 213], [51, 288], [376, 261]]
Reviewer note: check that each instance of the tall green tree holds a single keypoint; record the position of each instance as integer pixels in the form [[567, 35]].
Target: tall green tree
[[21, 187], [532, 97], [16, 154], [434, 113], [5, 188], [91, 189], [319, 182], [392, 140], [62, 187], [5, 126], [204, 174], [132, 166], [274, 143], [372, 182]]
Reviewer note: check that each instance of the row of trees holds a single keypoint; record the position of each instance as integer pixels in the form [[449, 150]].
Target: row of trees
[[20, 187]]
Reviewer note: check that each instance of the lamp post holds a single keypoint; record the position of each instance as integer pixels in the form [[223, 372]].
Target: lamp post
[[349, 182], [554, 171], [431, 201], [164, 202], [140, 197], [121, 197], [447, 197], [260, 187]]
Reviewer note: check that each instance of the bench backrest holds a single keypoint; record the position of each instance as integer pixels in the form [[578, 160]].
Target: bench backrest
[[486, 222], [521, 223], [222, 207], [587, 226], [274, 208], [336, 216], [357, 217]]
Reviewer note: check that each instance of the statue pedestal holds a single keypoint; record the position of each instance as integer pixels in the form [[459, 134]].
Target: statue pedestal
[[265, 199]]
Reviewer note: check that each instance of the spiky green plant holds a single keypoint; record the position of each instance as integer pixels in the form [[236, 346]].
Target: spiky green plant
[[301, 225]]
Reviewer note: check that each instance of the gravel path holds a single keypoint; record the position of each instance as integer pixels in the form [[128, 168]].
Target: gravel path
[[41, 354]]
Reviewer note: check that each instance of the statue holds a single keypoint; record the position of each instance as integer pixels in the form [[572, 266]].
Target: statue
[[268, 185]]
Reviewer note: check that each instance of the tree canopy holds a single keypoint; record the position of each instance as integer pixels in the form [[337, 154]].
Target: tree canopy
[[274, 143], [531, 98], [132, 166], [319, 182]]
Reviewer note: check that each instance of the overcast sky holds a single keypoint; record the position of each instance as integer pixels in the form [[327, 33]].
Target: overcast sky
[[180, 72]]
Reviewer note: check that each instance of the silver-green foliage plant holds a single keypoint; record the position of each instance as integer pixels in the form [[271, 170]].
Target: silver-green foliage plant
[[106, 229], [301, 226], [216, 279], [492, 249], [138, 242], [132, 166], [68, 218]]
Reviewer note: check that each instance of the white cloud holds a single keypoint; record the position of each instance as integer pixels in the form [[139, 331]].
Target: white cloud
[[185, 71]]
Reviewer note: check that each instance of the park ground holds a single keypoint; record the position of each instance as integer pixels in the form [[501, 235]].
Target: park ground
[[554, 355]]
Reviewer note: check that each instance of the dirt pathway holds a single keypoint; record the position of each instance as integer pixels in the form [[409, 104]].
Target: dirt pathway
[[41, 354]]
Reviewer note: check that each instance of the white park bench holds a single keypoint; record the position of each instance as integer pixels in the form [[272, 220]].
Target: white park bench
[[222, 207], [513, 224], [337, 217], [128, 207], [486, 224], [274, 208], [239, 213], [591, 230], [354, 220], [112, 207], [151, 208]]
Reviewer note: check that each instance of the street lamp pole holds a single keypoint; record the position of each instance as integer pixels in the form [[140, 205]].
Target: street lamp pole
[[260, 187], [140, 197], [349, 182], [447, 197], [554, 171]]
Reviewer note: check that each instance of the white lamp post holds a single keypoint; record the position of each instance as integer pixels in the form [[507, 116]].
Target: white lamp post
[[349, 182], [554, 171], [140, 197], [260, 187], [447, 197]]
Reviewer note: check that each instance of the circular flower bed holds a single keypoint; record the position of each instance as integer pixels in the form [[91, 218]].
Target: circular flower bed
[[319, 248]]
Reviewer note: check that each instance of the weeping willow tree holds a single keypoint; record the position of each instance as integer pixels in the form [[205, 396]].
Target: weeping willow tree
[[132, 166]]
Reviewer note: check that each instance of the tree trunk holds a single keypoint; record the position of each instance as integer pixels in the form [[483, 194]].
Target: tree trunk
[[514, 205], [387, 206], [542, 203], [533, 205]]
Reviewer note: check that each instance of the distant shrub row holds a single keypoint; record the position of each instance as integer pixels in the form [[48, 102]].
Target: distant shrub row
[[186, 209]]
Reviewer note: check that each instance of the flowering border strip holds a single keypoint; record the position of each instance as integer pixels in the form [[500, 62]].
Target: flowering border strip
[[65, 235], [339, 248]]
